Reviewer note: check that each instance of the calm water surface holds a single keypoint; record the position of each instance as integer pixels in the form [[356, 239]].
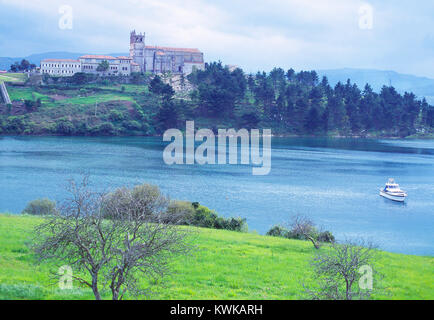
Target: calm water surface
[[334, 181]]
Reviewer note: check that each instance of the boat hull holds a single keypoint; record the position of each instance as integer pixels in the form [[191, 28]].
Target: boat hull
[[392, 197]]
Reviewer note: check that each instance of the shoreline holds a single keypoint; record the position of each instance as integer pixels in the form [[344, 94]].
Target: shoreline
[[368, 137]]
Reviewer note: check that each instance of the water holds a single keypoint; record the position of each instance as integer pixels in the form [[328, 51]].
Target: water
[[334, 181]]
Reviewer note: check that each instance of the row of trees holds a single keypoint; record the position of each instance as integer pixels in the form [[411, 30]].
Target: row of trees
[[301, 103]]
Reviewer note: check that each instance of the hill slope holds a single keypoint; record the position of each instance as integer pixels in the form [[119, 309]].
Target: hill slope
[[226, 265]]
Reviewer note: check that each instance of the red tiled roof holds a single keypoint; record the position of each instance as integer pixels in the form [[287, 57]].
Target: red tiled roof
[[60, 60], [97, 56], [125, 58], [191, 50], [134, 64]]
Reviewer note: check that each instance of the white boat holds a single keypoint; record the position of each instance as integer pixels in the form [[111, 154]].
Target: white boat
[[393, 192]]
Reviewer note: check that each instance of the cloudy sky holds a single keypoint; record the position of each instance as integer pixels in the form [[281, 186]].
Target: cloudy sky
[[254, 34]]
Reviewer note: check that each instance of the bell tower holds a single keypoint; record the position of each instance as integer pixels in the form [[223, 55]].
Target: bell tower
[[137, 49]]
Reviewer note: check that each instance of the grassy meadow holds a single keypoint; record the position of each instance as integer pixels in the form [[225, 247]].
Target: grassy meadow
[[13, 77], [226, 265]]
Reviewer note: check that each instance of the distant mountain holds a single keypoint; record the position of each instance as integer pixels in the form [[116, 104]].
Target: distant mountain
[[421, 86], [5, 62]]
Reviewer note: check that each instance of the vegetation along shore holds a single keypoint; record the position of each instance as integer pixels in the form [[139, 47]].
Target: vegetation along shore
[[288, 102]]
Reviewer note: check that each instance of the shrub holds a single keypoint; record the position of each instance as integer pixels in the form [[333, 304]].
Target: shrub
[[15, 124], [132, 125], [148, 129], [81, 128], [137, 78], [40, 207], [326, 236], [64, 126], [31, 127], [105, 128], [176, 212], [282, 232], [48, 128], [144, 200], [116, 115], [183, 211], [278, 231], [235, 224], [206, 218], [80, 78]]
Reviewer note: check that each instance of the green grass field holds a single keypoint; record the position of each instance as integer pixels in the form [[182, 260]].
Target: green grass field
[[13, 77], [26, 93], [73, 97], [99, 98], [226, 265]]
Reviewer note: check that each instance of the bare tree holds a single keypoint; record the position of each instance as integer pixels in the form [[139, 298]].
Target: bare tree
[[112, 240], [304, 226], [339, 270]]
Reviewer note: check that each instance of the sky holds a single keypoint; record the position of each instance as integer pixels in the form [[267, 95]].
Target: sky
[[256, 35]]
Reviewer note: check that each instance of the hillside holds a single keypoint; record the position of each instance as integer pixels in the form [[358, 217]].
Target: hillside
[[226, 265], [87, 106], [289, 103]]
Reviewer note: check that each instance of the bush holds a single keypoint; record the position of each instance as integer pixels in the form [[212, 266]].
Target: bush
[[65, 127], [326, 236], [40, 207], [81, 128], [282, 232], [183, 211], [278, 231], [144, 200], [206, 218], [132, 125], [116, 115], [80, 78], [105, 128], [138, 199], [15, 124]]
